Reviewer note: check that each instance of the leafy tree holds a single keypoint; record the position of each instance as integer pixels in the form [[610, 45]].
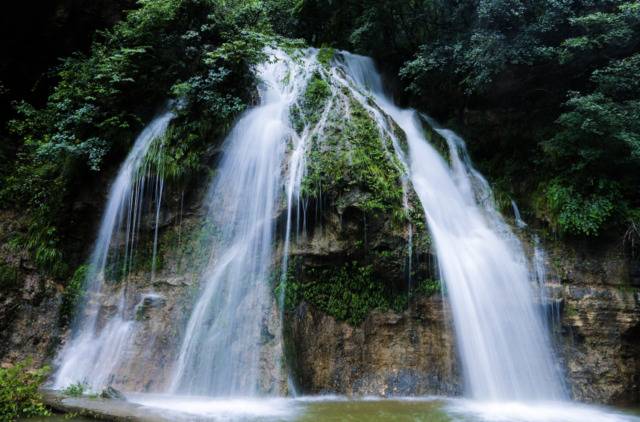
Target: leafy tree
[[561, 78], [597, 151]]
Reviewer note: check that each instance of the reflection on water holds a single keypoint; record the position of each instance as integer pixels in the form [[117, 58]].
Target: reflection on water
[[375, 411]]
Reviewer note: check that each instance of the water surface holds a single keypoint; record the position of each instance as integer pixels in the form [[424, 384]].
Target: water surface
[[160, 408]]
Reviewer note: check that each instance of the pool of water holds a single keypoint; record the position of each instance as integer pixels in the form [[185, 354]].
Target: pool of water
[[160, 408]]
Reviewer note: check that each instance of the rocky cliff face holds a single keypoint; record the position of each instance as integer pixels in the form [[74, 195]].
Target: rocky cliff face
[[599, 334], [390, 354], [363, 309], [407, 351], [29, 302], [403, 346]]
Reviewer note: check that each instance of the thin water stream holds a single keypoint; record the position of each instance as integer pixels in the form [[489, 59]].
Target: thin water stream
[[222, 353], [96, 348]]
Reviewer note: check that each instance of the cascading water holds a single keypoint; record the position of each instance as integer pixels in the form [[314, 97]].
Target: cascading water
[[221, 354], [232, 344], [502, 339], [96, 347]]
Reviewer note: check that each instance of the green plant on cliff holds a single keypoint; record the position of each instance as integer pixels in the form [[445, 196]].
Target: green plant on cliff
[[19, 395], [350, 155], [325, 55], [72, 294], [584, 136], [349, 292], [315, 96], [597, 184], [207, 104], [429, 287], [545, 92], [188, 245]]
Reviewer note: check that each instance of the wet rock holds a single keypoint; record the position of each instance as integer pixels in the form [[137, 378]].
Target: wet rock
[[390, 354], [598, 337], [112, 394]]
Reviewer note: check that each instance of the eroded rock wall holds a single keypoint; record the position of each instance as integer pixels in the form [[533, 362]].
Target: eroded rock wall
[[600, 319], [390, 354]]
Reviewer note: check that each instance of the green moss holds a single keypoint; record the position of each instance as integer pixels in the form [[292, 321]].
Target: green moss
[[182, 248], [348, 292], [176, 156], [429, 287], [352, 156], [297, 119], [72, 294], [315, 96], [75, 390], [325, 55], [318, 90], [188, 246], [570, 310], [293, 47], [436, 140], [141, 259]]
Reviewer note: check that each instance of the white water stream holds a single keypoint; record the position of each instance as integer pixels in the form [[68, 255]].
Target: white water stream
[[223, 352], [96, 347], [502, 338]]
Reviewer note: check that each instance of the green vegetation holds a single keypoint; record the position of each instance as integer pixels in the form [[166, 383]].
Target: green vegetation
[[197, 51], [350, 156], [546, 94], [315, 97], [325, 55], [75, 390], [19, 396], [72, 295], [429, 287], [313, 102], [188, 245], [548, 91], [349, 292]]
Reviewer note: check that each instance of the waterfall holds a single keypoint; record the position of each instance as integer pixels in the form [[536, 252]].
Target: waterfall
[[232, 342], [96, 347], [225, 349], [503, 342]]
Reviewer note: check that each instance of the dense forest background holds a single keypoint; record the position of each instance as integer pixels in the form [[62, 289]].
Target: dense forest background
[[546, 94]]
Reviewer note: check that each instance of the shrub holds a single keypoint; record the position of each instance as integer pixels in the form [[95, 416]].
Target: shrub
[[75, 390], [19, 396], [429, 287]]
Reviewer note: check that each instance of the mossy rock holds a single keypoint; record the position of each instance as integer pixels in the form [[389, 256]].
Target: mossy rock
[[436, 140], [348, 292], [351, 153]]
